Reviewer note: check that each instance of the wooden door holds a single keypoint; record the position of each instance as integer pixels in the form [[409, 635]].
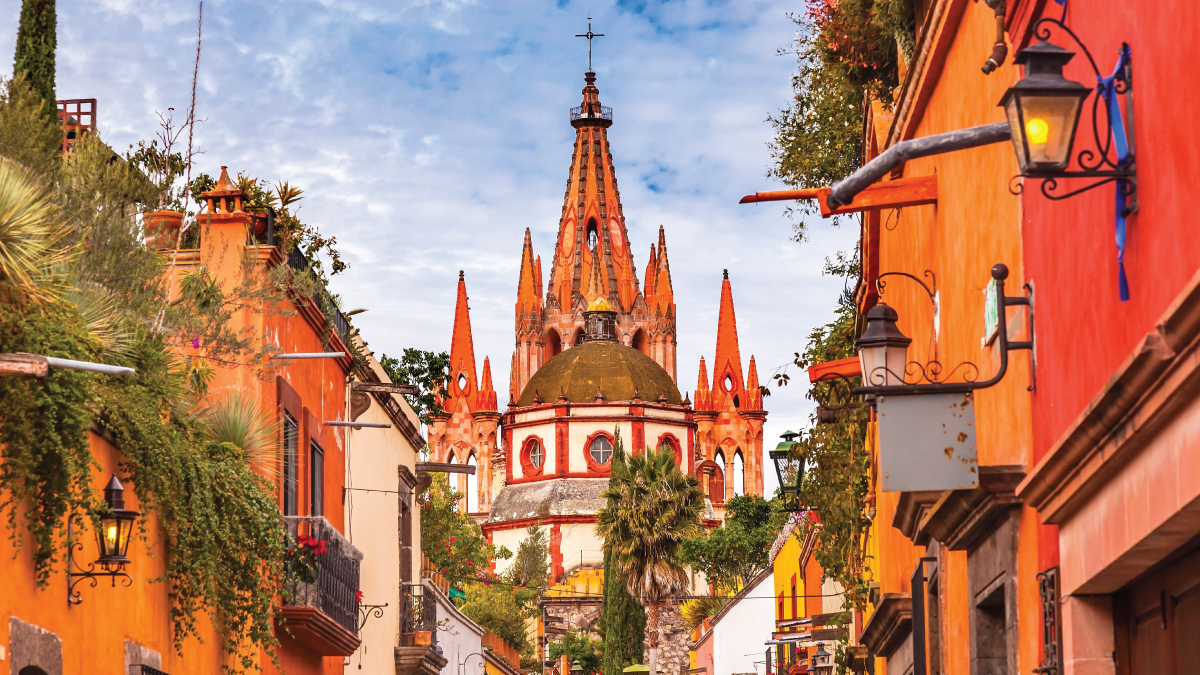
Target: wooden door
[[1158, 622]]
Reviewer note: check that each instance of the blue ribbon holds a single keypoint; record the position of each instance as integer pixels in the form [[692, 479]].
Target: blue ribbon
[[1107, 87]]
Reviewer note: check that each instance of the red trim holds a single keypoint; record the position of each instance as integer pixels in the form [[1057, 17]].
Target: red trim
[[691, 451], [686, 422], [562, 438], [670, 439], [527, 467], [638, 436], [593, 465], [556, 476], [556, 557], [523, 523], [508, 443]]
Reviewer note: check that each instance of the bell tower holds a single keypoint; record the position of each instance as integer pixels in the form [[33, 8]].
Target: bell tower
[[591, 234]]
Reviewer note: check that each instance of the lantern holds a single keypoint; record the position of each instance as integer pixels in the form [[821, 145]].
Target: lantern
[[116, 526], [883, 349], [822, 661], [1043, 110], [789, 469], [576, 669]]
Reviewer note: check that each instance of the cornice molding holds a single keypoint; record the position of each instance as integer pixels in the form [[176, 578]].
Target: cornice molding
[[961, 519], [890, 624]]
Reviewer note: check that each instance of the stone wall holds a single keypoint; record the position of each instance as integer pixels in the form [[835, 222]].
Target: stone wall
[[673, 640]]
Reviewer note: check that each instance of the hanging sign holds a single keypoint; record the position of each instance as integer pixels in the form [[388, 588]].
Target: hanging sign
[[927, 442]]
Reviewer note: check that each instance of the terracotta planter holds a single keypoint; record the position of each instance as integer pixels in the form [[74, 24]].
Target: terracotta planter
[[422, 638], [162, 229]]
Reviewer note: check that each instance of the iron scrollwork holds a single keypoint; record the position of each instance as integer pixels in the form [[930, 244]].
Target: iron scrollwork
[[367, 611], [932, 378], [1096, 164], [1048, 589], [77, 573]]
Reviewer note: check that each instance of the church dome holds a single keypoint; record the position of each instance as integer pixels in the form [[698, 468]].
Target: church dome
[[616, 371]]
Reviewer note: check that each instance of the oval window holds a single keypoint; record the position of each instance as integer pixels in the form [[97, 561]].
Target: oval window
[[462, 381], [601, 450], [536, 455]]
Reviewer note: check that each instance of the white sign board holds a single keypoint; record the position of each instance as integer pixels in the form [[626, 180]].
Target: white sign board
[[927, 442]]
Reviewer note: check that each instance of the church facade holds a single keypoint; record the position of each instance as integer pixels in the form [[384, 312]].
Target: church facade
[[594, 353]]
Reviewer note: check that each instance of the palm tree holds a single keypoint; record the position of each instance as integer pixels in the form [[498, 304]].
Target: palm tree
[[652, 507], [31, 238]]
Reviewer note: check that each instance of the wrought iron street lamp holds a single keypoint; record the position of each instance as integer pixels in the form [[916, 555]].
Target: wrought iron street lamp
[[882, 348], [112, 543], [789, 468], [1043, 110]]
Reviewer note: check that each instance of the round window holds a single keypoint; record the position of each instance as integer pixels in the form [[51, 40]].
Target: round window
[[536, 454], [601, 450]]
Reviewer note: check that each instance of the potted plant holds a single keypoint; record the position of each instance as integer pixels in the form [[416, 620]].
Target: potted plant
[[162, 229]]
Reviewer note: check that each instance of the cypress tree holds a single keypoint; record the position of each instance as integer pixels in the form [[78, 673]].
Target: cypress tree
[[622, 621], [36, 40]]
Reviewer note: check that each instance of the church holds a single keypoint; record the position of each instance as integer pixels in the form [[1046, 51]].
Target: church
[[595, 351]]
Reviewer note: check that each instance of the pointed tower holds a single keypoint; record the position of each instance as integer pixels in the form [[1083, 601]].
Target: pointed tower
[[729, 416], [593, 243], [529, 353], [466, 430]]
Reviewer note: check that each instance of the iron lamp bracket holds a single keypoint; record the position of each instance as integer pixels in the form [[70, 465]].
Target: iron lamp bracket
[[77, 573]]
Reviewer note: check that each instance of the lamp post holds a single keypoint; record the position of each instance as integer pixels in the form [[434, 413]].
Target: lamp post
[[112, 543]]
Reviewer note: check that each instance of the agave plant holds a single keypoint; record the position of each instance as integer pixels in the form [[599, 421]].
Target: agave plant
[[32, 253], [104, 317], [651, 508], [236, 418]]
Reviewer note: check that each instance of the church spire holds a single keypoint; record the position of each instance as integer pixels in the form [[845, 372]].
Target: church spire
[[528, 293], [664, 294], [592, 220], [727, 363], [462, 350], [703, 393], [486, 401]]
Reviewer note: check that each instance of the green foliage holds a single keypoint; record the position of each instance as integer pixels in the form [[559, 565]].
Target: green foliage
[[47, 469], [497, 605], [651, 508], [696, 610], [451, 539], [26, 135], [217, 519], [428, 371], [529, 568], [579, 648], [622, 623], [31, 249], [733, 554], [837, 478], [238, 419], [37, 37]]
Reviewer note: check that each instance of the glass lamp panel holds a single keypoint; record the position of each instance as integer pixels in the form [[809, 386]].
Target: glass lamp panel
[[1048, 123], [125, 527], [896, 359], [869, 359], [1016, 130]]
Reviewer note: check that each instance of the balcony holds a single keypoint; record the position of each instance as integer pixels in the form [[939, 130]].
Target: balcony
[[418, 653], [593, 115], [319, 608]]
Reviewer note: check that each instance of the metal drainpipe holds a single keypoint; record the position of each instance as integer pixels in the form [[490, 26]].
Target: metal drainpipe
[[1000, 49], [844, 192]]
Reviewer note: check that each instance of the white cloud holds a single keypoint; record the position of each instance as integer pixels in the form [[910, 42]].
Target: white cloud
[[428, 135]]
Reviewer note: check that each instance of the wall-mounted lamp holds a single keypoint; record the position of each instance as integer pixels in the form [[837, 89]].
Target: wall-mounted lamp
[[1043, 111], [112, 542], [788, 468]]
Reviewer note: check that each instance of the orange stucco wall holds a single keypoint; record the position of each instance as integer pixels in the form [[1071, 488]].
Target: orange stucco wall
[[94, 632]]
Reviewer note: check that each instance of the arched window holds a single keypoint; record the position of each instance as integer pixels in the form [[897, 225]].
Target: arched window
[[578, 337], [599, 451], [739, 474], [640, 343], [533, 456], [553, 344], [473, 486], [669, 442], [716, 484], [593, 236]]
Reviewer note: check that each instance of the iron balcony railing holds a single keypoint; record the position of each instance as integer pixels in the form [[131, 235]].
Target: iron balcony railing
[[578, 113], [336, 581], [299, 262], [143, 669], [418, 613]]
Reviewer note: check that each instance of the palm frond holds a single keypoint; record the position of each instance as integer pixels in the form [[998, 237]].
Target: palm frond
[[32, 253], [104, 317], [237, 419]]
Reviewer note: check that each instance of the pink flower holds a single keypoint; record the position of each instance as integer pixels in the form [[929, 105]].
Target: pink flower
[[195, 343], [451, 538], [470, 563]]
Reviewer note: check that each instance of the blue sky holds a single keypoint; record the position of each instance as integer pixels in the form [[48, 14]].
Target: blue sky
[[428, 135]]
